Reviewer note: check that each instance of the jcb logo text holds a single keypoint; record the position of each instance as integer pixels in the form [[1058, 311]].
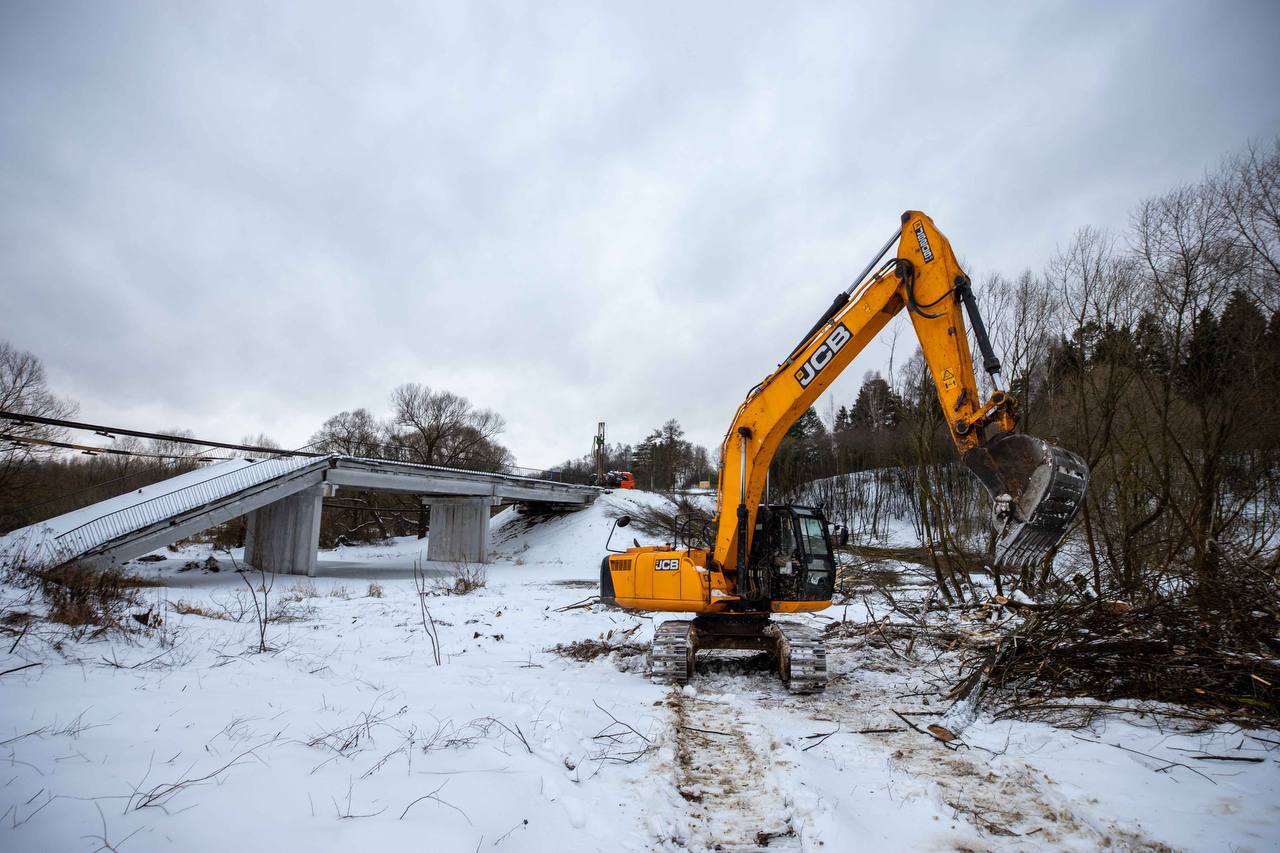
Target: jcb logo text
[[838, 337]]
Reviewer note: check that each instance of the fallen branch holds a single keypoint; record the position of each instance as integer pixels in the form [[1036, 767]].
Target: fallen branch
[[434, 796], [823, 738], [586, 602], [161, 794], [1168, 764], [712, 731], [927, 734], [20, 668]]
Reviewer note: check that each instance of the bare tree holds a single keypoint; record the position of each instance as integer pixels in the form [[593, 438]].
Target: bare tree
[[24, 389], [443, 428], [1248, 189], [356, 433], [260, 440]]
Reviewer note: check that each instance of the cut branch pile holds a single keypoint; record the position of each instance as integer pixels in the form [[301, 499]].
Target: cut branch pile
[[1217, 657], [606, 645]]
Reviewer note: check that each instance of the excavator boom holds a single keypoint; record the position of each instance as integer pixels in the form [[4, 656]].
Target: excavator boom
[[1036, 488]]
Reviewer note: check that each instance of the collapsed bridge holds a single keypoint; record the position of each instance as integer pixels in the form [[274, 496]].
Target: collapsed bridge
[[281, 499]]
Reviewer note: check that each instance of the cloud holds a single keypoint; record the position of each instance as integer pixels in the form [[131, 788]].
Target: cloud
[[240, 219]]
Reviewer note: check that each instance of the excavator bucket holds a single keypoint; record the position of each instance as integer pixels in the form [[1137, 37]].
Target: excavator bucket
[[1037, 489]]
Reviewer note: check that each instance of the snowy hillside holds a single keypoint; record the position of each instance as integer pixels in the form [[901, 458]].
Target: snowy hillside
[[346, 735]]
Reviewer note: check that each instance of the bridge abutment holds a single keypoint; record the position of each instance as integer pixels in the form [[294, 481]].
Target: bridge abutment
[[459, 529], [284, 537]]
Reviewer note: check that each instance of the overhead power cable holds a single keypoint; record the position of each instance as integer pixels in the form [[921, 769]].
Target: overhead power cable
[[18, 417], [112, 432], [92, 450]]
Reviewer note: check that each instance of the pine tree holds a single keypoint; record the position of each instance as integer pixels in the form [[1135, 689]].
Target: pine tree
[[1243, 333], [842, 423], [1115, 345], [1200, 370], [877, 406], [1152, 343]]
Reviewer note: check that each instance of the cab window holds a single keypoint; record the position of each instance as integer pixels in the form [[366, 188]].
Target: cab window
[[815, 543]]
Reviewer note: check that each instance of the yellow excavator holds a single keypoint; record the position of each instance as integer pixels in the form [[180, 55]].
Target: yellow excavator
[[777, 559]]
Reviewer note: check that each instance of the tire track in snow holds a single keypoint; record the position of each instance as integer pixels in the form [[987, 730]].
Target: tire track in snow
[[724, 774], [1008, 802]]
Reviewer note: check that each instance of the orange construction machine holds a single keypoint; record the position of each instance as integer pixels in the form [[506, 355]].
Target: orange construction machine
[[767, 559]]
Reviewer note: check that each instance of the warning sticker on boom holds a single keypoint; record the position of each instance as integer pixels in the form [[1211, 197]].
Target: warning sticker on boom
[[923, 240]]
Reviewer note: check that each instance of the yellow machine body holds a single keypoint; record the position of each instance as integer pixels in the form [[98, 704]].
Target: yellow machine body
[[657, 578]]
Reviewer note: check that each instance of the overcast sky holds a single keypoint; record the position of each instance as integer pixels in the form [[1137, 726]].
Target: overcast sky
[[244, 217]]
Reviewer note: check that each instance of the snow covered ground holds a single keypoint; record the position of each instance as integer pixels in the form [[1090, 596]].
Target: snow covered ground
[[347, 735]]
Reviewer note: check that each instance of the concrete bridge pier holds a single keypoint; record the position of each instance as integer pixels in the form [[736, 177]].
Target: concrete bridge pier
[[284, 537], [459, 529]]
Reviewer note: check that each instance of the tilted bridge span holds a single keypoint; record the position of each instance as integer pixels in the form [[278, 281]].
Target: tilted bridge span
[[282, 499]]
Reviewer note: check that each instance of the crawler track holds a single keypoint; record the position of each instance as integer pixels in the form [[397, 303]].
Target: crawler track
[[798, 649]]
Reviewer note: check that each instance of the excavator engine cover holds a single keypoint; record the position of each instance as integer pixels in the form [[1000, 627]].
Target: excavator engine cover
[[1037, 487]]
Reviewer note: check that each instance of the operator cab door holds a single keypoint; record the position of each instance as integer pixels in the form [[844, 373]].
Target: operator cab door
[[817, 577]]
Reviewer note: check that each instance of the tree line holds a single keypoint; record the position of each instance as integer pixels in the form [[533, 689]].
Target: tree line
[[663, 461], [1155, 354]]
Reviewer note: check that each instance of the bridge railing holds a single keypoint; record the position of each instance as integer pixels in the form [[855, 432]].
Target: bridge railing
[[533, 473], [112, 525]]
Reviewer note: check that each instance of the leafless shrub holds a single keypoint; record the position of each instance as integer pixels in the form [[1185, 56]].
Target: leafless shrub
[[352, 739], [299, 592], [463, 578], [619, 743], [233, 605], [261, 600], [81, 596], [375, 590], [606, 645], [677, 517], [428, 623], [448, 735], [292, 604], [288, 611], [346, 740], [187, 608]]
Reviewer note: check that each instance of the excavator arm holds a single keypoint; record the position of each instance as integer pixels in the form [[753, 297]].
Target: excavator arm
[[1036, 488]]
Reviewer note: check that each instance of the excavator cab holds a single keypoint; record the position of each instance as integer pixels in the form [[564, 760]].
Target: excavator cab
[[791, 557]]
